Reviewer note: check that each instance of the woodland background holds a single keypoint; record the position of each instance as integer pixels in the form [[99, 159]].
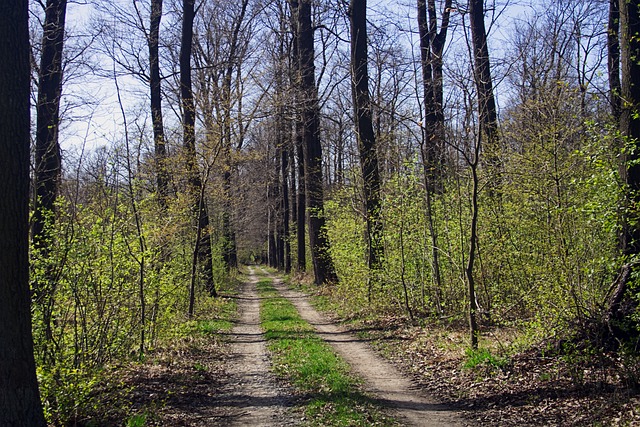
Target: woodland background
[[467, 165]]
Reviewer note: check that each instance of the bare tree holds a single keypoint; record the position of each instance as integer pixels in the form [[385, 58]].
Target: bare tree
[[613, 49], [364, 133], [323, 268], [432, 44], [19, 396], [153, 40], [195, 183]]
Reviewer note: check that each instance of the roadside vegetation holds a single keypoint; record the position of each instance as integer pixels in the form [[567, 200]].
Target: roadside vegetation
[[183, 368]]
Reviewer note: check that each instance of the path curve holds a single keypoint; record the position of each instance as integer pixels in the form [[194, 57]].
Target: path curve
[[388, 385]]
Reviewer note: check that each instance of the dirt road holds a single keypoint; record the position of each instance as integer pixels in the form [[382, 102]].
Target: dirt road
[[257, 398], [390, 388]]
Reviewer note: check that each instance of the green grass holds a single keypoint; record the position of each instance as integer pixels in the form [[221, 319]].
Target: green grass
[[483, 357], [299, 355]]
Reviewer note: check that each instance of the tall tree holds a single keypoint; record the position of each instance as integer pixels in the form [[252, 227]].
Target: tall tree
[[364, 132], [484, 86], [630, 121], [487, 137], [323, 268], [47, 149], [19, 396], [153, 40], [613, 56], [48, 159], [432, 44], [195, 184], [230, 251], [301, 255]]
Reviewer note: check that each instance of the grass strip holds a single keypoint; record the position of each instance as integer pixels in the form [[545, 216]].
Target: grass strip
[[333, 395]]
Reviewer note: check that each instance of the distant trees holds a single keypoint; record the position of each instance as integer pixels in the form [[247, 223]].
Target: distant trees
[[19, 395]]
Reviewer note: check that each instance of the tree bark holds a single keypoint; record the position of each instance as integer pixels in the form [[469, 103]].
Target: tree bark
[[323, 268], [364, 132], [189, 145], [300, 210], [47, 153], [431, 50], [484, 85], [630, 122], [230, 251], [613, 60], [162, 174], [19, 396]]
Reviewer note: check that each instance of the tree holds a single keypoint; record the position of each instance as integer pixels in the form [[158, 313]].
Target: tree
[[487, 137], [153, 40], [482, 74], [195, 184], [613, 56], [630, 121], [364, 132], [298, 149], [48, 161], [19, 395], [431, 51], [322, 263]]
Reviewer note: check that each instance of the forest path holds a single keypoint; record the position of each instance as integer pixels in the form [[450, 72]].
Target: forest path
[[257, 398], [386, 384]]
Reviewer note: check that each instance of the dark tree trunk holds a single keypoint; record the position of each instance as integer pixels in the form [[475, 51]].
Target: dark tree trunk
[[613, 50], [188, 127], [433, 143], [47, 156], [364, 131], [301, 259], [487, 138], [19, 396], [162, 175], [301, 199], [484, 86], [431, 50], [630, 122], [320, 252], [48, 161], [284, 165]]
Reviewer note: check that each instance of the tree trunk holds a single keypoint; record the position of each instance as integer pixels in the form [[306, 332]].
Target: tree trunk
[[486, 101], [320, 252], [431, 50], [48, 161], [613, 50], [630, 122], [19, 396], [298, 150], [162, 174], [47, 153], [364, 133], [188, 127], [230, 253]]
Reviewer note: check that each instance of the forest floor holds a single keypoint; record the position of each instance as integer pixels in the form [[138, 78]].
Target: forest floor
[[226, 379]]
